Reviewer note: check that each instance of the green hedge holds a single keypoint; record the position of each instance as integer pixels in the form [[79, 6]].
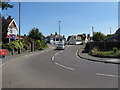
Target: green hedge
[[13, 45]]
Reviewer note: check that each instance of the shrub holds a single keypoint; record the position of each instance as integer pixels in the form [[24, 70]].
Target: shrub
[[13, 45], [94, 51], [42, 44]]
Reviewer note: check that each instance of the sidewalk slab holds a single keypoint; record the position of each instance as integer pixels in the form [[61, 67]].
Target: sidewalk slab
[[97, 59]]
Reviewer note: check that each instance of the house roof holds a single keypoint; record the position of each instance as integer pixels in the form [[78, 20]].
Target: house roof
[[6, 23], [54, 36], [118, 31], [16, 37], [116, 37], [75, 36]]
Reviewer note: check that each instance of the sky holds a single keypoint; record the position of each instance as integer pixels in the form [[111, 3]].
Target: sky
[[76, 17]]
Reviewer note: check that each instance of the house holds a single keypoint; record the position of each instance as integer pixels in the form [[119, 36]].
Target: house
[[114, 38], [54, 39], [77, 39], [72, 40], [9, 30]]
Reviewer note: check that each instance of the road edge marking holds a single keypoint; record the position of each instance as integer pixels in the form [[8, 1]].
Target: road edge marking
[[58, 64], [107, 75]]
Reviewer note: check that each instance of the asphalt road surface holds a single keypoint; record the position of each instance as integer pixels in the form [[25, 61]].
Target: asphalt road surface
[[58, 69]]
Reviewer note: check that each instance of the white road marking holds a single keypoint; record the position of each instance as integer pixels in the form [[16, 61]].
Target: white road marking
[[101, 74], [56, 53], [53, 59], [61, 51], [64, 66]]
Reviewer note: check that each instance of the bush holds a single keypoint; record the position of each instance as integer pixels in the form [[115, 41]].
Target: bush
[[13, 45], [94, 51], [42, 44]]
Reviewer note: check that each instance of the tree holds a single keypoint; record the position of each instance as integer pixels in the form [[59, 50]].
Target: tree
[[98, 36], [34, 34], [6, 5], [56, 33], [109, 35], [51, 34]]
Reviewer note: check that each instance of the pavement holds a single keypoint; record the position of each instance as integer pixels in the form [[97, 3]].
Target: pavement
[[86, 56], [8, 58]]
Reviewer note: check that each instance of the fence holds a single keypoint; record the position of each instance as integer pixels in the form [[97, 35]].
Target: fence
[[103, 46]]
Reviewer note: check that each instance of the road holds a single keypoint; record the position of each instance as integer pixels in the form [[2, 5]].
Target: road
[[58, 69]]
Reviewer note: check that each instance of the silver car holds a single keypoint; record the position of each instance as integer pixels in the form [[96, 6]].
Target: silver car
[[60, 46]]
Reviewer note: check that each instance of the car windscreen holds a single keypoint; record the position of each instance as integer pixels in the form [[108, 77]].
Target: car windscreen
[[60, 44]]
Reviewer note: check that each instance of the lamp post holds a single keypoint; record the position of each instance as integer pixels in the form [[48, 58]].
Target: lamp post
[[19, 18], [92, 30], [19, 50], [59, 27]]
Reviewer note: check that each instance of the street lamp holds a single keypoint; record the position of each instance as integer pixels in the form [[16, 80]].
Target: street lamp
[[59, 27], [92, 30], [19, 51], [19, 18]]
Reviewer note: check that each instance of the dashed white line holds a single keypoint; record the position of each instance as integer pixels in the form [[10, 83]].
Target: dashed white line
[[64, 66], [101, 74], [61, 51], [56, 53], [53, 59]]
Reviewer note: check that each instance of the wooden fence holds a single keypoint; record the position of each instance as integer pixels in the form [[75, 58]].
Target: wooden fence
[[103, 46]]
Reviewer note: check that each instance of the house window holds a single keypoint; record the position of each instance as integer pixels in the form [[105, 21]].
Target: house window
[[11, 31], [60, 39], [54, 39], [57, 39]]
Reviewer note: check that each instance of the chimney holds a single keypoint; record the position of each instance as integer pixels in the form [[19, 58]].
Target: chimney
[[9, 17]]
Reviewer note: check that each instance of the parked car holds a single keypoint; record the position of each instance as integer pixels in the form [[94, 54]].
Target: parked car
[[60, 46]]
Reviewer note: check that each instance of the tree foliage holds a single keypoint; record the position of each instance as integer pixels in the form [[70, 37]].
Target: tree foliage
[[34, 34], [98, 36], [56, 33], [6, 5]]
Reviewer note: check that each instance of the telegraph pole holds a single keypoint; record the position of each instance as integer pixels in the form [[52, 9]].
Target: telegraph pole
[[19, 51]]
